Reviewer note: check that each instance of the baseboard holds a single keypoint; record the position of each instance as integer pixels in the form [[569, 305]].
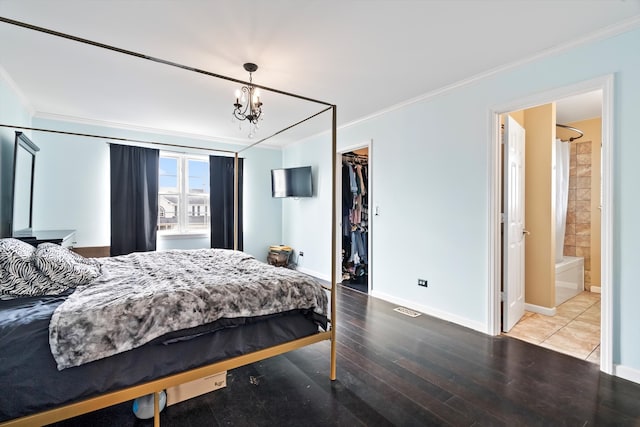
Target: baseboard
[[595, 289], [540, 309], [462, 321], [627, 373], [314, 273]]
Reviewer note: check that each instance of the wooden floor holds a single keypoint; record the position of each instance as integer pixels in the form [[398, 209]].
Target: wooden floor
[[402, 371]]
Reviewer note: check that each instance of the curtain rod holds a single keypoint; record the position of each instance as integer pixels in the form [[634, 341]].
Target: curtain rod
[[151, 58], [166, 144], [573, 138]]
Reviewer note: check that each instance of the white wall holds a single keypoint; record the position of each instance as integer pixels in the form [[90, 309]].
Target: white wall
[[306, 222], [72, 187], [430, 173], [262, 213]]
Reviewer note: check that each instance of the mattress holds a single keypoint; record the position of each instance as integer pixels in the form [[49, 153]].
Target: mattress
[[33, 383]]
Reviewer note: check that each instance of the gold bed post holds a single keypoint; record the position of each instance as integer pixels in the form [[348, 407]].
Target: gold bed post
[[156, 409], [235, 202], [333, 242]]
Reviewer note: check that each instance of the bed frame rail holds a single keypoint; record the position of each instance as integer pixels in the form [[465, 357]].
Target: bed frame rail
[[156, 386]]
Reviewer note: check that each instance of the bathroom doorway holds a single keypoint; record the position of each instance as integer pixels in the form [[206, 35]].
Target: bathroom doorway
[[568, 314]]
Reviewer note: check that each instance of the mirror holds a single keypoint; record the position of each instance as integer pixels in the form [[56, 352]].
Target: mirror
[[24, 162]]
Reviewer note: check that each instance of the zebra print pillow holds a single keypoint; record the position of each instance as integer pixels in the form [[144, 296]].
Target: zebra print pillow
[[19, 276], [61, 265]]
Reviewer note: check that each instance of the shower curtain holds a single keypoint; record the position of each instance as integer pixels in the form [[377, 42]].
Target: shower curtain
[[562, 194]]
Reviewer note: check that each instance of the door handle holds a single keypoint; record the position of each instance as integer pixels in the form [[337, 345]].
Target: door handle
[[525, 232]]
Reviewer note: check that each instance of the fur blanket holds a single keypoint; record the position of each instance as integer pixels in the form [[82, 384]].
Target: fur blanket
[[142, 296]]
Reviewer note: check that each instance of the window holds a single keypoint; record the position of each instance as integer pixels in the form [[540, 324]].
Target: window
[[183, 198]]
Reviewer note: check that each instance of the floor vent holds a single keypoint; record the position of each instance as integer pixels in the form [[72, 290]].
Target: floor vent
[[407, 312]]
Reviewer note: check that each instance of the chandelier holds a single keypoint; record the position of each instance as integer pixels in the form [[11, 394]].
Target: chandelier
[[248, 106]]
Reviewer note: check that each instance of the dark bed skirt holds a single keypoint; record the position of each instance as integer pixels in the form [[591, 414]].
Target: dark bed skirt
[[32, 382]]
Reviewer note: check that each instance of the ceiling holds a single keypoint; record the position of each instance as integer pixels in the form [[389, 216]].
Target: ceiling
[[579, 107], [362, 55]]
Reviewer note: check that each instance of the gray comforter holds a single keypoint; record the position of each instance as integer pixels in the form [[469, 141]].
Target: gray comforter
[[142, 296]]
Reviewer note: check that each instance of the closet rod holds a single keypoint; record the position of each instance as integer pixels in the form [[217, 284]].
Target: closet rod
[[355, 156], [573, 138]]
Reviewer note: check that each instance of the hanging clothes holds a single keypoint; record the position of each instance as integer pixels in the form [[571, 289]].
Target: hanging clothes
[[355, 215]]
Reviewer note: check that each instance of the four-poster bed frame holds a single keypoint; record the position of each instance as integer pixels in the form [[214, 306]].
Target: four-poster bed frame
[[157, 385]]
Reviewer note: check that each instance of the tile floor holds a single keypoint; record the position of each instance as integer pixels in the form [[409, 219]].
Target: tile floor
[[574, 330]]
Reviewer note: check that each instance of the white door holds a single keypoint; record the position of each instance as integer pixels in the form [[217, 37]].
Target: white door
[[514, 232]]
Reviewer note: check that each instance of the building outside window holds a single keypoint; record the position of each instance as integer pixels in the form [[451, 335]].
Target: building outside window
[[183, 197]]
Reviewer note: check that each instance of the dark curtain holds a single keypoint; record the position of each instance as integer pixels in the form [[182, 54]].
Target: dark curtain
[[221, 177], [134, 199]]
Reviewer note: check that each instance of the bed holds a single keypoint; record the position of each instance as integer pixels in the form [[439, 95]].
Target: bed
[[244, 311], [202, 353]]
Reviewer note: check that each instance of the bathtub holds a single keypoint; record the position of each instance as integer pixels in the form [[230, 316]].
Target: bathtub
[[569, 278]]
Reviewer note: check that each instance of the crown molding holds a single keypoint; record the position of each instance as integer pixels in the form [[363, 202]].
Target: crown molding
[[604, 33], [4, 75], [306, 138], [156, 131]]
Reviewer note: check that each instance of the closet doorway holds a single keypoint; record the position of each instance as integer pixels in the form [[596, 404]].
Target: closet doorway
[[353, 201]]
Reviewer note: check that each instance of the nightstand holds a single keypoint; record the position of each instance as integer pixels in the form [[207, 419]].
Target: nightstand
[[64, 238]]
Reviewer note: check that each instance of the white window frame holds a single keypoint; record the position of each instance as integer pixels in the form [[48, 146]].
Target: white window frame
[[183, 195]]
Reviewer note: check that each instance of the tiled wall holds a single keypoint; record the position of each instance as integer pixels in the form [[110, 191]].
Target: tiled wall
[[577, 238]]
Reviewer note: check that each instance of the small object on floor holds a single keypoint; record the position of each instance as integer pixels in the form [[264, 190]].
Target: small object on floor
[[195, 388], [279, 255], [143, 406]]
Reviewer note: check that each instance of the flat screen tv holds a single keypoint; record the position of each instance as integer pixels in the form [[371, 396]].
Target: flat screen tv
[[291, 182]]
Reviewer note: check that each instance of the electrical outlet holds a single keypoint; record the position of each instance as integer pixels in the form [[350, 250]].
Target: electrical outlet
[[301, 253], [422, 282]]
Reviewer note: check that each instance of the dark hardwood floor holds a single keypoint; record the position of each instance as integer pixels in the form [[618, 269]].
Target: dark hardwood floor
[[394, 370]]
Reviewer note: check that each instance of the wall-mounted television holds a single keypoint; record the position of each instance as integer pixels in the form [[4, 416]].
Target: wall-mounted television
[[292, 182]]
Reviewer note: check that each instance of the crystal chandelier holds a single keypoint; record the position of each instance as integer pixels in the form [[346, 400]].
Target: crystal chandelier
[[248, 106]]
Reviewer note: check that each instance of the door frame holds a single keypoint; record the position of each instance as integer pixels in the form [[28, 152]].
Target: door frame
[[369, 145], [606, 84]]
